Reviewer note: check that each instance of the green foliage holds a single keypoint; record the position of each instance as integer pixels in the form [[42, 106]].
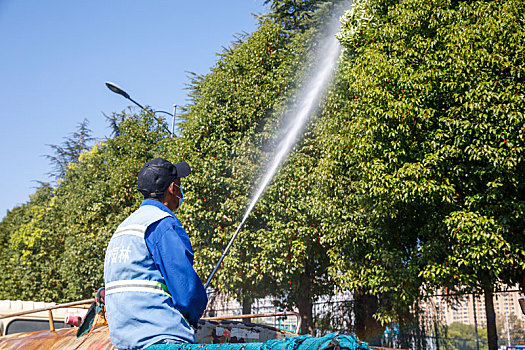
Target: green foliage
[[296, 15], [516, 329], [231, 131], [98, 193], [227, 128], [435, 128], [463, 337], [55, 243], [411, 178], [31, 255]]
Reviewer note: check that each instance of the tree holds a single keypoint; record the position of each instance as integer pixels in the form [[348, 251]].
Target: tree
[[229, 123], [293, 248], [56, 242], [436, 136], [516, 329], [33, 250], [98, 193], [68, 152], [231, 128], [295, 15], [463, 337]]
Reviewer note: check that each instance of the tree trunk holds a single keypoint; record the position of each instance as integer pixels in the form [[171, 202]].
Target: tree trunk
[[366, 326], [305, 305], [246, 308], [492, 334]]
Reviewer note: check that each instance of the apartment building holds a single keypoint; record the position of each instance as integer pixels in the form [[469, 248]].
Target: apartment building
[[471, 310]]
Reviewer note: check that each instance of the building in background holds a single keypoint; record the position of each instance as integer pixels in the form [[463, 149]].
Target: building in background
[[469, 310]]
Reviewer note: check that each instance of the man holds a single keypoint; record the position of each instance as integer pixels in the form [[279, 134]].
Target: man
[[153, 294]]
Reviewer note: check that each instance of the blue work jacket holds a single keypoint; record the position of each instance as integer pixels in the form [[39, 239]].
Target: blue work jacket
[[152, 291]]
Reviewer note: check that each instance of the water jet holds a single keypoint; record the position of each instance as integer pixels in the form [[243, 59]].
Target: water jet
[[307, 102]]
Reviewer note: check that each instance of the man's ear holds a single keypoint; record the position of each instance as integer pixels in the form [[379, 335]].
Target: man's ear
[[171, 188]]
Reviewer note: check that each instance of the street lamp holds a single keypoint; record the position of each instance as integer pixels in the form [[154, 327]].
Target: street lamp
[[118, 90]]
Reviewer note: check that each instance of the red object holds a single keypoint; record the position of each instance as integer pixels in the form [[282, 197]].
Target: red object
[[73, 320]]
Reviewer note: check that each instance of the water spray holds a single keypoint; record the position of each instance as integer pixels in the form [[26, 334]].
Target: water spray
[[307, 103]]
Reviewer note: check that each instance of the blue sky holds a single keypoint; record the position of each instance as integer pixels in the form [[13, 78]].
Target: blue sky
[[56, 56]]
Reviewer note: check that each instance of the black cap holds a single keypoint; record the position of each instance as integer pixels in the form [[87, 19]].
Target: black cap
[[157, 174]]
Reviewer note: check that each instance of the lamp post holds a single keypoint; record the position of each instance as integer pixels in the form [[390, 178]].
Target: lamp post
[[506, 302], [118, 90]]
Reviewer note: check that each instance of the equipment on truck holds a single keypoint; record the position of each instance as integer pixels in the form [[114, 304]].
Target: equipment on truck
[[211, 330]]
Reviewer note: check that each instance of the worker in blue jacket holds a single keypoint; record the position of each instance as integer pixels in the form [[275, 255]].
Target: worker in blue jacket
[[153, 294]]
